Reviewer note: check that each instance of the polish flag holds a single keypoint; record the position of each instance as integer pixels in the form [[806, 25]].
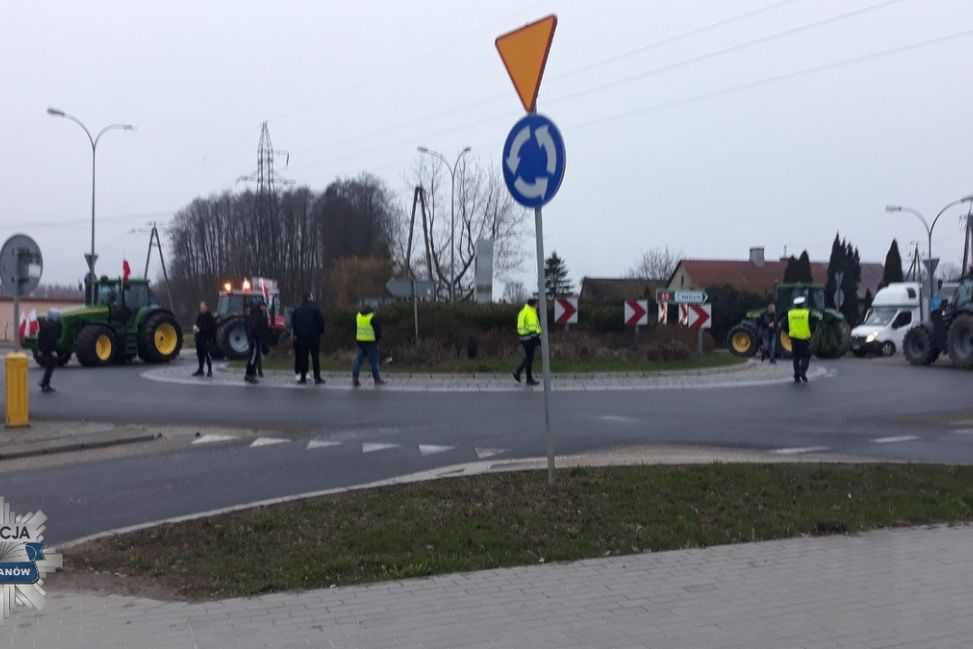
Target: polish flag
[[29, 325], [126, 271]]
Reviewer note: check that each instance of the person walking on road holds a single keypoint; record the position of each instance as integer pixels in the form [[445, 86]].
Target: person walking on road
[[529, 331], [799, 329], [47, 336], [256, 336], [368, 333], [205, 332], [768, 334], [308, 325]]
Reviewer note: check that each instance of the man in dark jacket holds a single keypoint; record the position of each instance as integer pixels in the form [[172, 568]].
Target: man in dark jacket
[[205, 330], [769, 331], [308, 325], [47, 337], [256, 338]]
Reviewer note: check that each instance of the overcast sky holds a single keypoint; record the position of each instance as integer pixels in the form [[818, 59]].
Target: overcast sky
[[658, 153]]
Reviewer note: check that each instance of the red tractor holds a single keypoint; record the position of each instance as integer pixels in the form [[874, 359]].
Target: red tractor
[[231, 314]]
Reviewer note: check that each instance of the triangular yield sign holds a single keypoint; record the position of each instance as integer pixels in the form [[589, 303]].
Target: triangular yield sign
[[524, 53]]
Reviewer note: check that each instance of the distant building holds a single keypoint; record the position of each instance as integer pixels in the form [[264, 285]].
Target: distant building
[[756, 275], [605, 289]]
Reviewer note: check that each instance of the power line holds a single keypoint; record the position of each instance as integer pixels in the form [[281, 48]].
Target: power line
[[592, 89], [589, 66], [728, 50]]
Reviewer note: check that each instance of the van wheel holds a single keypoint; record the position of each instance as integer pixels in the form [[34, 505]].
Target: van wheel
[[888, 348]]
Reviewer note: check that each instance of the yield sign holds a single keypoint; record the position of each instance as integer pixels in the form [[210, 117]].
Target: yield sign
[[700, 316], [566, 310], [636, 312], [524, 53]]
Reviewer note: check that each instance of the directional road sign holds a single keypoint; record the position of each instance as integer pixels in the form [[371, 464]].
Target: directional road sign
[[403, 288], [636, 312], [565, 310], [533, 160], [681, 296], [700, 316], [524, 53], [684, 315], [663, 313]]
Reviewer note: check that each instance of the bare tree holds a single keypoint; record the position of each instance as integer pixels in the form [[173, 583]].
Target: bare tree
[[656, 263], [514, 292], [483, 210]]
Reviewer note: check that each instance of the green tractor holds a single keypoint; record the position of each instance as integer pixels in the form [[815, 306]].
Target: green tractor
[[949, 331], [124, 322], [832, 336]]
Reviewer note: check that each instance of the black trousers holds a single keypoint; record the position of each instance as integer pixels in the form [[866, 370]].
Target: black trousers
[[530, 346], [203, 354], [303, 347], [801, 351], [49, 362], [253, 357]]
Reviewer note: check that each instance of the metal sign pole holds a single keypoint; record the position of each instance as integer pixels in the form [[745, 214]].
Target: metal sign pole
[[545, 346], [415, 308]]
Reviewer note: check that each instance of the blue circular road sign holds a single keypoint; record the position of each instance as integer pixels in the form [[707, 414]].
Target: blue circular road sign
[[533, 160]]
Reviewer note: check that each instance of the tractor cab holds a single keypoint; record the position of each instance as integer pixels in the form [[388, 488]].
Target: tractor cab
[[785, 295], [237, 300]]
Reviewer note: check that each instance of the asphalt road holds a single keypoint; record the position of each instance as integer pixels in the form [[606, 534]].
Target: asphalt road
[[866, 408]]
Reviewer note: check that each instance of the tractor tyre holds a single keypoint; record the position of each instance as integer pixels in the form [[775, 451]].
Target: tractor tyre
[[959, 341], [784, 345], [742, 340], [836, 343], [96, 346], [159, 338], [918, 347], [231, 338]]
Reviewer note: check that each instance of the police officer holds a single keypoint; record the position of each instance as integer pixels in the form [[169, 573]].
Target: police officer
[[529, 331], [799, 330], [368, 332], [47, 336], [308, 325]]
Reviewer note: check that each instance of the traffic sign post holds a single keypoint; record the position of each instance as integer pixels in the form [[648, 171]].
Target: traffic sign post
[[699, 317], [533, 166], [21, 265], [636, 314], [413, 288], [565, 311], [681, 296]]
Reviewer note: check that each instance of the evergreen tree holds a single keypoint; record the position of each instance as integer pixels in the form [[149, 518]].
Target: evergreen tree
[[845, 260], [556, 280], [804, 268], [790, 271], [893, 266]]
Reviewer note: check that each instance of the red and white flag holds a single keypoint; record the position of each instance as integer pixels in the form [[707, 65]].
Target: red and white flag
[[126, 271], [29, 326]]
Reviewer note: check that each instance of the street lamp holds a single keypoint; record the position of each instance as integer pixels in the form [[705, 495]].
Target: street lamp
[[929, 228], [452, 210], [94, 147]]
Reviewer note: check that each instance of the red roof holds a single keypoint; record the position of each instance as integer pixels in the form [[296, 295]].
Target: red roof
[[751, 278]]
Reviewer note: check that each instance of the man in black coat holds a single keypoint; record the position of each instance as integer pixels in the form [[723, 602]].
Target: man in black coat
[[47, 336], [308, 325], [256, 338], [205, 330]]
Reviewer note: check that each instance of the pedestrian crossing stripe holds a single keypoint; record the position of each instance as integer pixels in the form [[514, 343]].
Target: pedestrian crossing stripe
[[372, 447], [212, 437], [268, 441], [316, 443], [431, 449]]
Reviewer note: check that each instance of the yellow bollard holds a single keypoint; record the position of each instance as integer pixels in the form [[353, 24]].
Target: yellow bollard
[[18, 408]]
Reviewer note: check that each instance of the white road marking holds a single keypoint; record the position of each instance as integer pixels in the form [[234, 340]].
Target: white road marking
[[268, 441], [315, 443], [430, 449], [371, 448], [484, 453], [619, 419], [800, 450], [895, 438], [962, 431], [210, 438]]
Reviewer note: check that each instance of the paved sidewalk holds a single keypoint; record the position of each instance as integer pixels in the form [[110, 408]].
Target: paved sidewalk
[[745, 374], [904, 588], [48, 437]]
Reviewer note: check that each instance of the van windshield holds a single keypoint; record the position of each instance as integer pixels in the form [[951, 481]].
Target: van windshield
[[881, 315]]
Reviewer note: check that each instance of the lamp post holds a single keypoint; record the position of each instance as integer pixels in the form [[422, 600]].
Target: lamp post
[[452, 211], [929, 229], [94, 148]]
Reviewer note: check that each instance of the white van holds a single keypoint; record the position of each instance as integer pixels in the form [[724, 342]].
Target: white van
[[895, 309]]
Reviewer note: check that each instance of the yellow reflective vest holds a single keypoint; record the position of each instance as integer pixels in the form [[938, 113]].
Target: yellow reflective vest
[[365, 332], [528, 324], [799, 324]]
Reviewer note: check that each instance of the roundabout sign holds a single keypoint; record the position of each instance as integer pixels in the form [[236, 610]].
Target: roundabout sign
[[533, 160]]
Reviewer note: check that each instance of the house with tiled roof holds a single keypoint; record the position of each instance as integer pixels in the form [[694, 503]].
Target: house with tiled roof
[[757, 275], [611, 289]]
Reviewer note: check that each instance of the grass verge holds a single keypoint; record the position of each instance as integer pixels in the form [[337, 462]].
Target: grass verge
[[511, 519], [342, 363]]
